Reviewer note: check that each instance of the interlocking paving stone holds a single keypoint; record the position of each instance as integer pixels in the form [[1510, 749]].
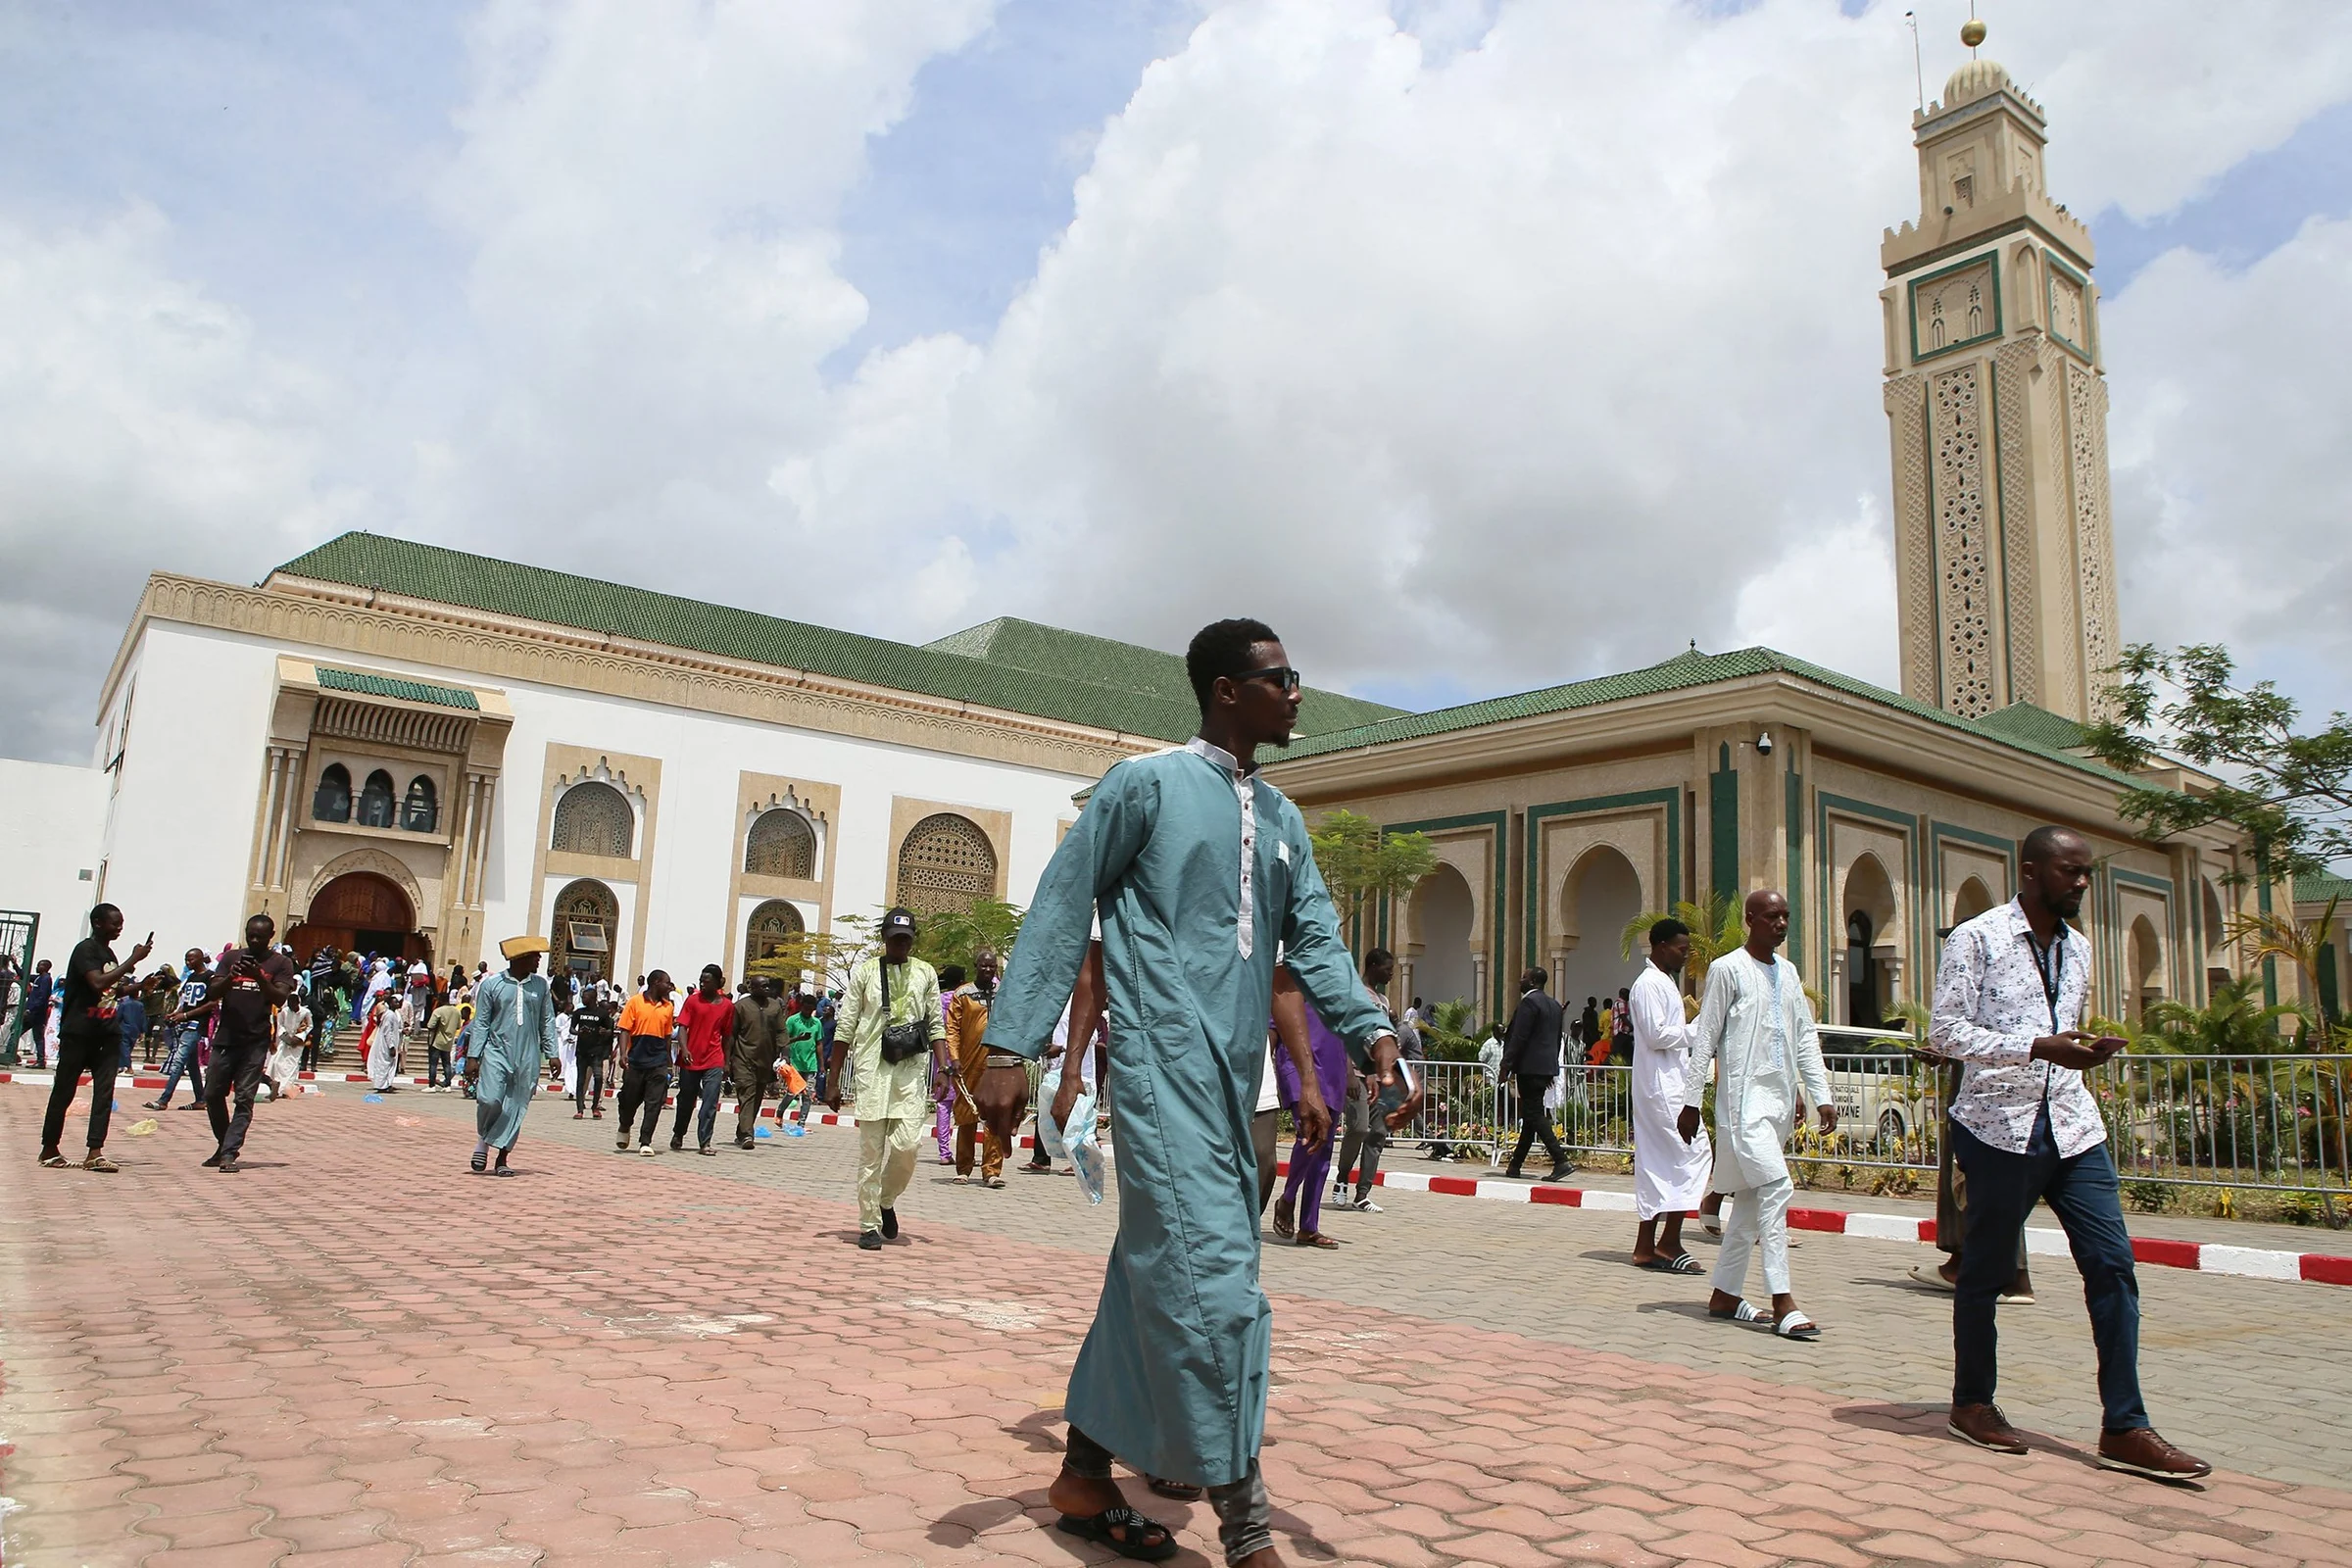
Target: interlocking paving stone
[[354, 1351]]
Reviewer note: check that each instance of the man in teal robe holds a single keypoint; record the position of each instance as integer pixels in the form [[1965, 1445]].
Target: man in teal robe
[[513, 1034], [1201, 875]]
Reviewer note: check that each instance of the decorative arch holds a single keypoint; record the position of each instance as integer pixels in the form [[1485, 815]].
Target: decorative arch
[[946, 862], [771, 925], [376, 861], [782, 843], [593, 817], [1972, 899], [1600, 896], [585, 929]]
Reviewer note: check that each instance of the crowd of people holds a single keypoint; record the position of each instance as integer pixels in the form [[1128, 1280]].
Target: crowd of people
[[1186, 900]]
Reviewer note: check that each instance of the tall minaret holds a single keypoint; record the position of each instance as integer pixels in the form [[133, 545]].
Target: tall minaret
[[1996, 399]]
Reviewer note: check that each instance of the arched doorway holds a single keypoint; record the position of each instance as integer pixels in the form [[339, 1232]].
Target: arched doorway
[[946, 864], [360, 912], [772, 925], [1868, 922], [1602, 895], [2216, 936], [2147, 967], [586, 930], [1439, 921]]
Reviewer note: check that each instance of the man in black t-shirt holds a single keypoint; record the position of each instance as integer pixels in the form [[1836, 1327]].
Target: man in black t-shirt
[[251, 986], [88, 1038]]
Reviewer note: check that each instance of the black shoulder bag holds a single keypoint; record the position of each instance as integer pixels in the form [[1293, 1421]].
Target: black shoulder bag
[[900, 1042]]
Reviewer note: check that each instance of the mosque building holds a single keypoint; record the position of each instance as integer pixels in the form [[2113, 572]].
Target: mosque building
[[408, 749]]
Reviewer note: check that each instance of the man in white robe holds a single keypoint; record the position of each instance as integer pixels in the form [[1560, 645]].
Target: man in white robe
[[1755, 1028], [1670, 1176]]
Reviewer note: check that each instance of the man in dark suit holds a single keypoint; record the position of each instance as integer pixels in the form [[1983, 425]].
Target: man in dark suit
[[1530, 1058]]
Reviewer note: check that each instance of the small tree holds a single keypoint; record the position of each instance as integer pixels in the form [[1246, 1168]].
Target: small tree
[[1716, 928], [2291, 792], [827, 955], [2301, 943], [1363, 863]]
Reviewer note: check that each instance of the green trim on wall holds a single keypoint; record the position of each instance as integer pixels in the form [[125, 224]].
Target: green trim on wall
[[1980, 259], [1824, 803], [1795, 787], [2328, 982], [1723, 825], [1497, 823], [2270, 966], [2087, 353], [1670, 798]]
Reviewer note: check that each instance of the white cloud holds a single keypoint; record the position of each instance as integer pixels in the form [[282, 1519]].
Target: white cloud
[[1525, 354], [141, 427], [2233, 500]]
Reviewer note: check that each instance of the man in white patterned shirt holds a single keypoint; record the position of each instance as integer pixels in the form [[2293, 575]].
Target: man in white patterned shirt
[[2009, 1002]]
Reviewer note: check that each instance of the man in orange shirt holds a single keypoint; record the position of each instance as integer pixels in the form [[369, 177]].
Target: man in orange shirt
[[645, 1027], [706, 1019]]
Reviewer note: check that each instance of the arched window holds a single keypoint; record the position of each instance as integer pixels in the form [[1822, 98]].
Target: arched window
[[375, 801], [593, 818], [781, 844], [946, 864], [421, 810], [331, 800]]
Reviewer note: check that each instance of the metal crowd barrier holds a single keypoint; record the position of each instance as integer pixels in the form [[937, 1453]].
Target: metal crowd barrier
[[2267, 1123]]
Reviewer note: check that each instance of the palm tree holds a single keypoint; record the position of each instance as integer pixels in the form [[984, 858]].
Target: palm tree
[[2301, 943], [1716, 928]]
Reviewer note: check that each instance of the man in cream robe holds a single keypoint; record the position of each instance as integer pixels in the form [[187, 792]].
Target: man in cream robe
[[1670, 1176], [1755, 1028]]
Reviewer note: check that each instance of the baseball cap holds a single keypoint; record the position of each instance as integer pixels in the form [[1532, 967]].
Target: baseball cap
[[897, 920]]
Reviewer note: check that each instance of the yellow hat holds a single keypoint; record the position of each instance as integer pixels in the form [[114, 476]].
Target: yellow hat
[[517, 947]]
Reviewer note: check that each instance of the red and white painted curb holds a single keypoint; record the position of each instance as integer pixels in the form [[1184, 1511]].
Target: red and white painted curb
[[2041, 1241]]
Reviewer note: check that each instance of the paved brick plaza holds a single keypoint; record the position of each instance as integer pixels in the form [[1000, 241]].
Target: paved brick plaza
[[354, 1353]]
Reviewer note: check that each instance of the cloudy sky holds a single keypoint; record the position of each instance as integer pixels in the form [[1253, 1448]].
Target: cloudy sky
[[1477, 344]]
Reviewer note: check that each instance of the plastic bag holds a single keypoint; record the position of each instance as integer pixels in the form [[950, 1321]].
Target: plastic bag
[[1085, 1153]]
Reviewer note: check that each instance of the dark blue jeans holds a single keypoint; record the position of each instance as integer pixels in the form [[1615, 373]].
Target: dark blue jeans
[[2002, 1190], [187, 1039], [697, 1095]]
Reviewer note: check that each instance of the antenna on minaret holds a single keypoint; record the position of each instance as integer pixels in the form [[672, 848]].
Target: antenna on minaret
[[1918, 73]]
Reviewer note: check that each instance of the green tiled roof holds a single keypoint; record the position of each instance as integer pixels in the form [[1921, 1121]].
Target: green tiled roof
[[540, 593], [2319, 889], [1100, 662], [407, 691], [2025, 722], [1681, 672]]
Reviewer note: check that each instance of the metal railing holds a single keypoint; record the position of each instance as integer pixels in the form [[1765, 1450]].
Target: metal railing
[[2275, 1123]]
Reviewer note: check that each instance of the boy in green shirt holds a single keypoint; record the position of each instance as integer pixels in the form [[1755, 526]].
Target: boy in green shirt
[[804, 1037]]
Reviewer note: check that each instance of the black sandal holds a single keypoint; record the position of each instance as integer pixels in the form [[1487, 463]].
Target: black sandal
[[1680, 1263], [1175, 1491], [479, 1163], [1145, 1540]]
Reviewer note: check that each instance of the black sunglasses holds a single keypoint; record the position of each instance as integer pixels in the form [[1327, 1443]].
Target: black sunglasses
[[1282, 675]]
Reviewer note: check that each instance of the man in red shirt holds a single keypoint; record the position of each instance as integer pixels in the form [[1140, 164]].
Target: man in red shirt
[[705, 1020]]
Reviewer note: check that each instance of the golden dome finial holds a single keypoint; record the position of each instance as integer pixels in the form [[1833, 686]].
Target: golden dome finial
[[1971, 32]]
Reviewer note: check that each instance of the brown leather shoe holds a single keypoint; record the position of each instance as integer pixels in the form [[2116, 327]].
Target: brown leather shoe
[[1985, 1426], [2143, 1452]]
